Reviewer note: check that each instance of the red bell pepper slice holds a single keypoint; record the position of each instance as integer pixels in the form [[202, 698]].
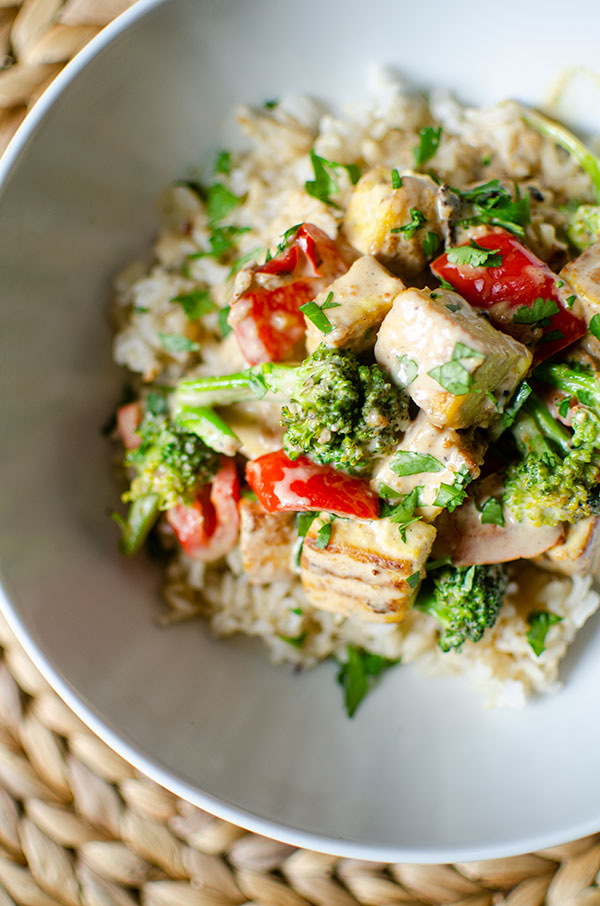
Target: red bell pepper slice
[[518, 281], [266, 317], [208, 529], [283, 484]]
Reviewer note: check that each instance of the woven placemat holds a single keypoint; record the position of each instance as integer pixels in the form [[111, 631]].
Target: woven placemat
[[78, 825]]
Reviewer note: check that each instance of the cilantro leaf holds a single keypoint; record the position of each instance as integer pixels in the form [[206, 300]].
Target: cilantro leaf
[[287, 238], [396, 180], [402, 513], [357, 672], [223, 162], [219, 202], [196, 303], [450, 496], [540, 622], [539, 312], [406, 370], [323, 186], [453, 377], [417, 219], [174, 343], [297, 641], [429, 140], [323, 536], [313, 312], [491, 512], [431, 244], [305, 520], [570, 302], [224, 327], [461, 351], [552, 336], [407, 462], [563, 409], [594, 327], [414, 579], [493, 204], [329, 303], [474, 255]]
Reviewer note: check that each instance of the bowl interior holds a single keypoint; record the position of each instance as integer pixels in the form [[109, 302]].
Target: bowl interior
[[422, 772]]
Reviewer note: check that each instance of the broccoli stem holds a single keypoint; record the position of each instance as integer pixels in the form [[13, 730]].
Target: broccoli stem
[[572, 382], [563, 137], [269, 381], [141, 516], [209, 427], [535, 427]]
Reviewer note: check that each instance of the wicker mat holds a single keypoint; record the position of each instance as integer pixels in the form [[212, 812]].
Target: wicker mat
[[79, 826]]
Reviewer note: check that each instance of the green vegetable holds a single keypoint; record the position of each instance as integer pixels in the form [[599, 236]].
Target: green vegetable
[[220, 202], [474, 255], [563, 137], [224, 327], [450, 496], [222, 240], [174, 343], [540, 312], [583, 227], [417, 219], [491, 512], [406, 370], [323, 186], [594, 327], [323, 536], [465, 600], [338, 411], [297, 641], [223, 162], [540, 622], [209, 427], [396, 180], [429, 140], [407, 462], [431, 244], [314, 313], [493, 204], [453, 377], [402, 513], [414, 579], [135, 528], [356, 675], [196, 303]]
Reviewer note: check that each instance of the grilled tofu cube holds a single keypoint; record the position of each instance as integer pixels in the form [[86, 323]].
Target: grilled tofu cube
[[578, 553], [365, 568], [376, 208], [363, 296], [436, 460], [267, 542], [451, 361]]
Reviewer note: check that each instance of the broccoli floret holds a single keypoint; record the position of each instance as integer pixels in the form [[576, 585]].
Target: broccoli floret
[[337, 411], [343, 413], [169, 466], [556, 477], [465, 600]]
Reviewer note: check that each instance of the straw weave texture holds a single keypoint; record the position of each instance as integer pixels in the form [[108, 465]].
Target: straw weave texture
[[79, 826]]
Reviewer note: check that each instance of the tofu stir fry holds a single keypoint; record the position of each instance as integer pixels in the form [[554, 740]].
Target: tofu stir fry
[[404, 407]]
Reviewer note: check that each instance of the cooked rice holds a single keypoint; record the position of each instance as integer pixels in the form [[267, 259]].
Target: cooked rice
[[271, 176]]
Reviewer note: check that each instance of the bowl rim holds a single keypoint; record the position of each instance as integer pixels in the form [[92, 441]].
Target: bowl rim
[[85, 711]]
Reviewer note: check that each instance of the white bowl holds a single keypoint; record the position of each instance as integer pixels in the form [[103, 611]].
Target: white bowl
[[422, 773]]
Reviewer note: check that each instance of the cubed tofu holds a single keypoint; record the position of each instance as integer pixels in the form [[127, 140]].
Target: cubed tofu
[[267, 542], [376, 208], [451, 361], [582, 274], [579, 552], [456, 457], [363, 296], [365, 568]]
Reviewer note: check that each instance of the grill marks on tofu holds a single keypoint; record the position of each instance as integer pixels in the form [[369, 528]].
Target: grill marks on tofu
[[365, 567], [376, 208], [363, 297], [459, 457], [267, 543], [476, 367]]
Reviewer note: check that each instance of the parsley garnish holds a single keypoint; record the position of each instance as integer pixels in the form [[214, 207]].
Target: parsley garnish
[[429, 140], [219, 202], [402, 513], [540, 622], [407, 462], [358, 672], [431, 244], [323, 536], [417, 219], [594, 327], [323, 186], [493, 204], [491, 512], [196, 303], [474, 255], [174, 343], [314, 313], [396, 180], [406, 371], [224, 327], [570, 301], [540, 312], [223, 162], [453, 376]]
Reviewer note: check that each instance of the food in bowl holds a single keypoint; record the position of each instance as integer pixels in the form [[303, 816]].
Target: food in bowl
[[364, 401]]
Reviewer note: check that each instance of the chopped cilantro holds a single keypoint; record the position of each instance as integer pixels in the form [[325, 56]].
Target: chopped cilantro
[[223, 162], [219, 202], [450, 496], [594, 327], [406, 371], [396, 180], [436, 564], [540, 622], [323, 536], [461, 351], [453, 377], [314, 313], [174, 343], [539, 312], [297, 641], [224, 327], [305, 520], [196, 303], [402, 513], [563, 409], [445, 285], [329, 303], [414, 579], [271, 104], [297, 610], [417, 219], [570, 301], [474, 255], [552, 336], [287, 237], [323, 186], [429, 140], [431, 244], [243, 260], [491, 512], [452, 306], [486, 160], [357, 673], [493, 204], [407, 462]]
